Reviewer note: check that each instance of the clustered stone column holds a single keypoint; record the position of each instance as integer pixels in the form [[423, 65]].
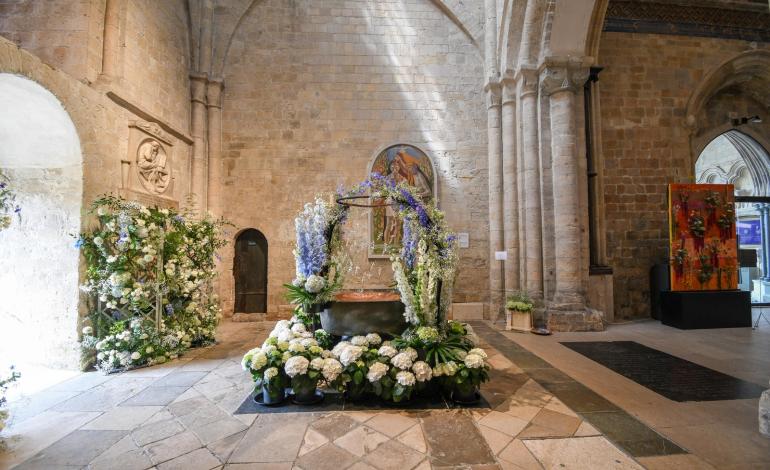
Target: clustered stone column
[[496, 240], [199, 170], [214, 104], [528, 168]]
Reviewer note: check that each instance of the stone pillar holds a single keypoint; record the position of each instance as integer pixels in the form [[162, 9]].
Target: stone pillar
[[214, 103], [199, 165], [528, 81], [763, 261], [495, 168], [510, 186], [567, 311], [112, 43], [765, 227]]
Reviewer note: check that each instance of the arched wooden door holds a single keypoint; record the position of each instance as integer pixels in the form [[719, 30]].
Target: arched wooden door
[[250, 270]]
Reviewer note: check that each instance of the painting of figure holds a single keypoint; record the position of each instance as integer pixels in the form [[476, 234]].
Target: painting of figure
[[404, 164]]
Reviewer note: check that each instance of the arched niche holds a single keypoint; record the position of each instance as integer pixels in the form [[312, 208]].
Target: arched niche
[[735, 158], [250, 272], [41, 155]]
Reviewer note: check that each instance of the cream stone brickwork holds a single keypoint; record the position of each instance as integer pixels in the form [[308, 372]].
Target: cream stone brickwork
[[338, 82]]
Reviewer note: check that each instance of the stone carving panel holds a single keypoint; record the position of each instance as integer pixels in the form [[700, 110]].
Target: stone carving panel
[[148, 172], [153, 167]]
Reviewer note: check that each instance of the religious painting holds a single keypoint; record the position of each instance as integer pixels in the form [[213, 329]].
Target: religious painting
[[405, 164], [703, 237]]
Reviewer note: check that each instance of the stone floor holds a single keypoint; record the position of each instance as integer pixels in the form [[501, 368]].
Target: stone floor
[[181, 416]]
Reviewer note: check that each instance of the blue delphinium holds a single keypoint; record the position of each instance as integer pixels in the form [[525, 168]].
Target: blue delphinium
[[312, 251], [409, 241]]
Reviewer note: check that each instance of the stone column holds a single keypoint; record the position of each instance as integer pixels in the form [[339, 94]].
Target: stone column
[[765, 228], [112, 42], [568, 309], [528, 81], [214, 103], [495, 168], [198, 168], [510, 186]]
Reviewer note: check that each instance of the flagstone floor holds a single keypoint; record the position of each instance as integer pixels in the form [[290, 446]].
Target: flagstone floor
[[181, 416]]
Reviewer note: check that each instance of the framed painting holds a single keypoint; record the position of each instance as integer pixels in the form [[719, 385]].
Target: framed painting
[[702, 237], [407, 164]]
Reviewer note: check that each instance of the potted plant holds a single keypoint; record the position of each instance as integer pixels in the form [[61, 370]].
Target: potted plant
[[519, 312], [356, 356], [266, 367], [304, 365], [469, 375]]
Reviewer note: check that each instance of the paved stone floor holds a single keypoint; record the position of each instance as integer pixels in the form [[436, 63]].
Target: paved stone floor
[[182, 416]]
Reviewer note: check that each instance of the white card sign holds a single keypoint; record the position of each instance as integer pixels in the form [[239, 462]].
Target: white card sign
[[463, 240], [501, 255]]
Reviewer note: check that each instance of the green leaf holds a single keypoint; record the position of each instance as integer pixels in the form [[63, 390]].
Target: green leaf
[[358, 377]]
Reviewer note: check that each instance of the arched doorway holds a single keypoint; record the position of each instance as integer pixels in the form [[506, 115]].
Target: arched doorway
[[734, 157], [40, 154], [250, 271]]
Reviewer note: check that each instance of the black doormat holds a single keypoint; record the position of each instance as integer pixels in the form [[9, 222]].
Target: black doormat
[[670, 376], [334, 401]]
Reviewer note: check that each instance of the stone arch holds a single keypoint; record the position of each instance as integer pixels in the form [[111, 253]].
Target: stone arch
[[39, 281], [754, 160]]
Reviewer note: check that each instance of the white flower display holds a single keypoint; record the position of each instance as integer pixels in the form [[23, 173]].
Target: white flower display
[[405, 378], [412, 353], [298, 328], [259, 360], [474, 361], [315, 284], [135, 356], [270, 373], [387, 351], [331, 369], [88, 330], [373, 339], [350, 355], [317, 363], [402, 360], [339, 347], [422, 371], [285, 336], [359, 341], [296, 365], [296, 347], [377, 371], [478, 352]]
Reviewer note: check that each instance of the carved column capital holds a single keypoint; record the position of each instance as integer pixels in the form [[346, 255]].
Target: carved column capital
[[214, 93], [509, 90], [528, 81], [556, 78], [198, 83], [493, 91]]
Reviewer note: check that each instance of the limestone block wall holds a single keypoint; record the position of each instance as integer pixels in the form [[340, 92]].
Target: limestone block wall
[[313, 90], [644, 89]]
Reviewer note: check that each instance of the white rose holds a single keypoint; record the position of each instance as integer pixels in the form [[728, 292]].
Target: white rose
[[377, 371], [405, 378]]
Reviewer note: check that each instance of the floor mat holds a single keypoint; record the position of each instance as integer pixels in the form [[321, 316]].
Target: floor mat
[[674, 378]]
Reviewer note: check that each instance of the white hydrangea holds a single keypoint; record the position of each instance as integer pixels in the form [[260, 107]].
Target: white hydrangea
[[373, 339], [296, 347], [317, 363], [283, 345], [285, 335], [387, 350], [135, 356], [258, 360], [270, 373], [359, 341], [446, 368], [308, 342], [412, 353], [474, 361], [296, 365], [377, 371], [298, 328], [331, 369], [350, 355], [422, 371], [478, 352], [315, 284], [339, 347], [402, 360], [88, 331], [405, 378]]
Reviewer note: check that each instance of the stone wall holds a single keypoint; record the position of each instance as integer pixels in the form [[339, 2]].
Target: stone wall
[[644, 88], [313, 90]]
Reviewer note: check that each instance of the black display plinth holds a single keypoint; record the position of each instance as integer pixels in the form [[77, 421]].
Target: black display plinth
[[707, 309]]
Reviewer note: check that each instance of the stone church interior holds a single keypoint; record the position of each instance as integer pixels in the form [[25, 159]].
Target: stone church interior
[[384, 234]]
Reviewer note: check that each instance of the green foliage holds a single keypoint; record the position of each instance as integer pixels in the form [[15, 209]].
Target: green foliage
[[519, 301]]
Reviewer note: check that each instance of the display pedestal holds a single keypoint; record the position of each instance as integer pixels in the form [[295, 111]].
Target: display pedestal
[[707, 309]]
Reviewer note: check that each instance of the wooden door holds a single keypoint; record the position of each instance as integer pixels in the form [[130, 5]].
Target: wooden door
[[250, 271]]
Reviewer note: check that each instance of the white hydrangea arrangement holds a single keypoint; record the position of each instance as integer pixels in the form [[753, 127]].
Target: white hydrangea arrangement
[[136, 256]]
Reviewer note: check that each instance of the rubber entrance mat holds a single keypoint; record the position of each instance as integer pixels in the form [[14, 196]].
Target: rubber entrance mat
[[336, 402], [667, 375]]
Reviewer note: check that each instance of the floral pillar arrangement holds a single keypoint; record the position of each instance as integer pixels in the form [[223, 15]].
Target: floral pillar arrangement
[[433, 357], [149, 274]]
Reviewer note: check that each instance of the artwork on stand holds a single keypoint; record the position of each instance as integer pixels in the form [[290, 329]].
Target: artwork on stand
[[702, 237], [405, 164]]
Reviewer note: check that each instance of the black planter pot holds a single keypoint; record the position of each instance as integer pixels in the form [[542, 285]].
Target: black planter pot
[[465, 395], [270, 397]]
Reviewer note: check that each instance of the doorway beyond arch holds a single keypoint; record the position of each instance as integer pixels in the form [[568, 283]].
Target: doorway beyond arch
[[250, 272]]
